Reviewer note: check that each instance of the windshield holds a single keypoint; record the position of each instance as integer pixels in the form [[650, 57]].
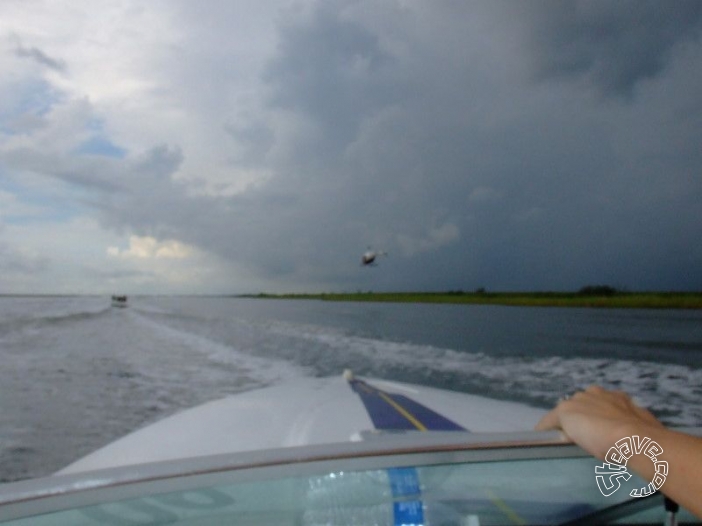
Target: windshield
[[413, 489]]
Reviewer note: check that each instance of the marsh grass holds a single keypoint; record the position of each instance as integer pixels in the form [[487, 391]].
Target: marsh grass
[[632, 300]]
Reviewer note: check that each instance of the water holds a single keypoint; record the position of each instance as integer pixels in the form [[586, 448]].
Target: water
[[77, 373]]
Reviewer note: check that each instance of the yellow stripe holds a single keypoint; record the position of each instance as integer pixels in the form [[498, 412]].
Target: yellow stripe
[[504, 508], [416, 423]]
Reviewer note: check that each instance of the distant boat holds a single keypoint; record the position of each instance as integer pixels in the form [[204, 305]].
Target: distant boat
[[119, 301]]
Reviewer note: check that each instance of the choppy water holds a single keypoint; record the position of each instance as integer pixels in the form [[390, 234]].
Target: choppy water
[[77, 373]]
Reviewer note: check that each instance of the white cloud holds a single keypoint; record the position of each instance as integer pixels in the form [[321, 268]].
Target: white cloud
[[150, 248], [71, 257]]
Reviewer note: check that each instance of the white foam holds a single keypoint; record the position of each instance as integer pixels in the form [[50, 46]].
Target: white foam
[[264, 371], [673, 391]]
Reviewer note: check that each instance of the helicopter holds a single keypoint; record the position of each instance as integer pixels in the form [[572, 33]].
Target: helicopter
[[369, 256]]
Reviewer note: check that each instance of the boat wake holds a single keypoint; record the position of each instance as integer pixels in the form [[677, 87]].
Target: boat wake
[[671, 391], [77, 374]]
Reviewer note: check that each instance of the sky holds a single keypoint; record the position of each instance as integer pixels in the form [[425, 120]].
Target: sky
[[239, 146]]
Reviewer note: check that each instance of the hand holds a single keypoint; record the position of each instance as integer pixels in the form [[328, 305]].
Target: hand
[[596, 418]]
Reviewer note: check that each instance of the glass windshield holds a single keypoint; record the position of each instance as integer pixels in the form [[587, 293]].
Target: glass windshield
[[531, 491]]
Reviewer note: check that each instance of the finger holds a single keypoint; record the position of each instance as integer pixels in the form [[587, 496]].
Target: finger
[[549, 421], [621, 395], [595, 389]]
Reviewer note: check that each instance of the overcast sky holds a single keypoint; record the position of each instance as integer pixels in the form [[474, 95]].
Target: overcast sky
[[228, 146]]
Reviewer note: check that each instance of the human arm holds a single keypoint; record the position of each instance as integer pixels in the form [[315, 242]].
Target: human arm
[[596, 419]]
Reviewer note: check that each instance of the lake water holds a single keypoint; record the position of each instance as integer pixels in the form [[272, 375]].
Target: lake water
[[77, 373]]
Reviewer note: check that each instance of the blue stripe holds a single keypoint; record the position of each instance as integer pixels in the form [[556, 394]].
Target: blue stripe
[[407, 504], [386, 417], [432, 420], [404, 482]]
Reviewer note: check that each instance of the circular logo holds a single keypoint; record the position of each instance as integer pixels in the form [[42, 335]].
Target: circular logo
[[608, 476]]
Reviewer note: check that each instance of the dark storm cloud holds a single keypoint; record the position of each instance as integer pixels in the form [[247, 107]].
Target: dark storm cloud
[[398, 152], [254, 141], [332, 69], [465, 174], [614, 44], [415, 131], [88, 173], [38, 56], [397, 171], [149, 200]]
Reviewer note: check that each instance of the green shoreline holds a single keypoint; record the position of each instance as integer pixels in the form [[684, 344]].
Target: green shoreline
[[619, 300]]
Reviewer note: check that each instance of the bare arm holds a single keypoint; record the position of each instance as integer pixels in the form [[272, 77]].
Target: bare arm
[[595, 419]]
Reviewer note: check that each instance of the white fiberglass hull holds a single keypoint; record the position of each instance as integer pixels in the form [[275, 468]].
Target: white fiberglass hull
[[303, 412], [333, 451]]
